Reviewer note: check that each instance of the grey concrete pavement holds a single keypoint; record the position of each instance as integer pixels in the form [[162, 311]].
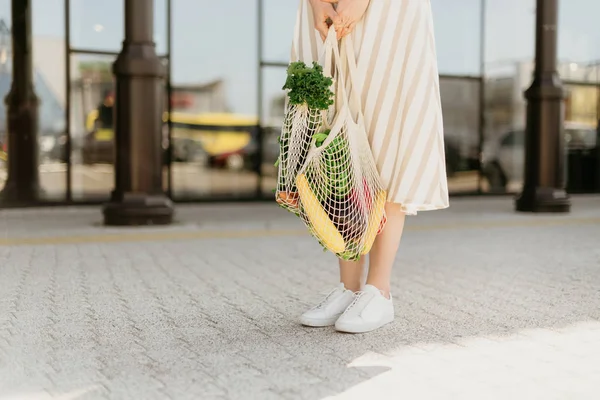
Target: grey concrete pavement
[[489, 305]]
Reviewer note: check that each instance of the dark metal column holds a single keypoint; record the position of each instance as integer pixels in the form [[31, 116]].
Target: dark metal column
[[22, 185], [138, 197], [544, 186]]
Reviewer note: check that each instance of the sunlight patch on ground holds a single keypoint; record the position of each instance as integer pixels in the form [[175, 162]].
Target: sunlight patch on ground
[[73, 395], [531, 364]]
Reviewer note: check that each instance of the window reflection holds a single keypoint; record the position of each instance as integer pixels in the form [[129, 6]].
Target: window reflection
[[273, 104], [161, 16], [97, 25], [5, 82], [49, 85], [460, 106], [279, 18], [92, 133], [214, 122], [509, 68], [457, 25], [92, 127], [214, 137], [509, 54], [578, 35]]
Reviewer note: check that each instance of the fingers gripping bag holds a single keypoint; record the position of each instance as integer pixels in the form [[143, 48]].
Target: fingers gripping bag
[[326, 171]]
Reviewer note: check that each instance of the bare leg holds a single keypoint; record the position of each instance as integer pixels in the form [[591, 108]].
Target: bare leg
[[383, 252], [351, 273]]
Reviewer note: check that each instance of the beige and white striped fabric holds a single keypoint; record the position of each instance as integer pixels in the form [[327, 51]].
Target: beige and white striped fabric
[[396, 57]]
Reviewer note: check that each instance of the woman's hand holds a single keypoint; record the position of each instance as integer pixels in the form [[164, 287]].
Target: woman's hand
[[323, 14], [349, 13]]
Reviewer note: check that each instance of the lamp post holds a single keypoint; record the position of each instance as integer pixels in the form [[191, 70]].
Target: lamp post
[[22, 184], [544, 186], [138, 197]]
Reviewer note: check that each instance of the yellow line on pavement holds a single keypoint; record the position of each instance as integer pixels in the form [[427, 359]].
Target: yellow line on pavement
[[245, 234]]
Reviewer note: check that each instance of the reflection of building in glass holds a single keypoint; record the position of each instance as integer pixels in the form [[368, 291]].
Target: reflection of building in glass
[[460, 104], [211, 150], [204, 98], [90, 83], [506, 106], [504, 146], [50, 90]]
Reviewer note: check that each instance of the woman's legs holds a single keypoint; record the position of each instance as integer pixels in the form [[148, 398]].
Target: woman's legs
[[381, 257], [351, 273], [383, 252], [373, 310]]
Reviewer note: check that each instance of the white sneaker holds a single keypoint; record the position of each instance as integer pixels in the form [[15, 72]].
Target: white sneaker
[[329, 309], [369, 310]]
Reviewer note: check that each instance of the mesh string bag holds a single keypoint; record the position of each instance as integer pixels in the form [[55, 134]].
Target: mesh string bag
[[327, 174]]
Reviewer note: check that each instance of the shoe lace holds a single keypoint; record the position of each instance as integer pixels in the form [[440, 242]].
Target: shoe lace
[[326, 299], [357, 297]]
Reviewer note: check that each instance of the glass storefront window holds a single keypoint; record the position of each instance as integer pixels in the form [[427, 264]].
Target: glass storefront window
[[161, 34], [579, 56], [278, 18], [5, 82], [214, 90], [461, 110], [97, 25], [48, 45], [50, 87], [92, 133], [457, 26], [578, 38], [214, 69], [509, 54], [273, 104]]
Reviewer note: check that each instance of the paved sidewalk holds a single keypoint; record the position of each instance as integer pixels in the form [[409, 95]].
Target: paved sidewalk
[[490, 304]]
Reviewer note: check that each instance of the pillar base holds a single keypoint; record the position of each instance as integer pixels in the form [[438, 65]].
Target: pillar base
[[16, 194], [139, 209], [543, 200]]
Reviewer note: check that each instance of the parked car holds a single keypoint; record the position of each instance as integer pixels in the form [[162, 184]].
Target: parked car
[[504, 158]]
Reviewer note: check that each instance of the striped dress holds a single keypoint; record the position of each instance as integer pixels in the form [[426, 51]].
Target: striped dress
[[396, 58]]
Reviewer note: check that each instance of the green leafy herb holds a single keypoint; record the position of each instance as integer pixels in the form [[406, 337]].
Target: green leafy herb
[[308, 85]]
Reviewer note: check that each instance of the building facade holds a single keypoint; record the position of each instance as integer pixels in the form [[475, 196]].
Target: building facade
[[225, 64]]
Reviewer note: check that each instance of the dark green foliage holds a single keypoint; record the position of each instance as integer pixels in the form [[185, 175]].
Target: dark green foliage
[[308, 85], [337, 162]]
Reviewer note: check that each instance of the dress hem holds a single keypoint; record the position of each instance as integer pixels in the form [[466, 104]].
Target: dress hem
[[413, 209]]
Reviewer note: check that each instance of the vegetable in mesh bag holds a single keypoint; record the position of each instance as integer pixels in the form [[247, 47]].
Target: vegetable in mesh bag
[[309, 95], [340, 201], [357, 216]]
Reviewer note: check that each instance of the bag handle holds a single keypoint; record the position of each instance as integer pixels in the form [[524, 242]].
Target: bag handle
[[349, 55], [333, 61], [334, 56]]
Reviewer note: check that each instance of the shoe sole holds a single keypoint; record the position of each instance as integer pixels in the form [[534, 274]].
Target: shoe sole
[[350, 328], [318, 323]]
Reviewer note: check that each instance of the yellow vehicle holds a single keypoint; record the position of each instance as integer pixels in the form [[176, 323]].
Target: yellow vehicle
[[222, 139], [228, 140], [3, 149]]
